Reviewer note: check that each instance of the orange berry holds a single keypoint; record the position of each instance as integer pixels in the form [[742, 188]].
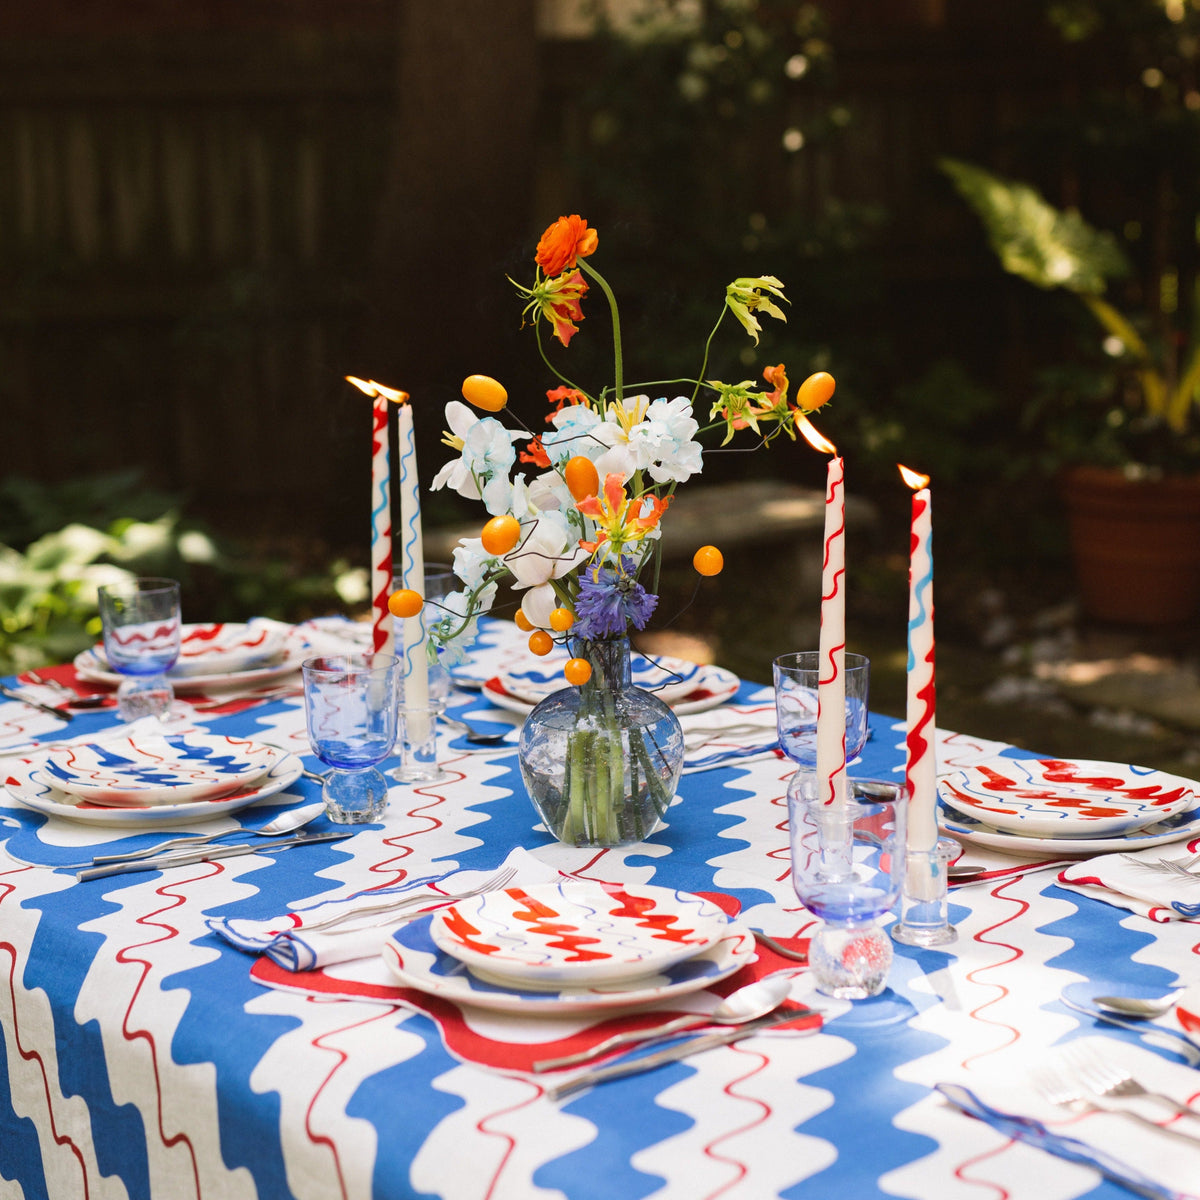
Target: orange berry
[[581, 477], [484, 392], [708, 560], [405, 603], [501, 534], [523, 622], [540, 642], [578, 671], [815, 391], [561, 619]]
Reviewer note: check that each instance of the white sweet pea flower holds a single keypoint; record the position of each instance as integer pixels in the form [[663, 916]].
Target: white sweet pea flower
[[472, 563], [573, 433], [548, 551], [538, 603], [548, 492], [452, 631], [663, 444], [486, 456]]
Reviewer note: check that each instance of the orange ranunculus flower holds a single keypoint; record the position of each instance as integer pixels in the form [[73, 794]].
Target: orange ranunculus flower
[[566, 241]]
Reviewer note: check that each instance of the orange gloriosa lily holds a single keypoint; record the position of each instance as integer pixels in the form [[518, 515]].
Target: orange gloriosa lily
[[535, 453], [557, 301], [564, 243], [619, 518]]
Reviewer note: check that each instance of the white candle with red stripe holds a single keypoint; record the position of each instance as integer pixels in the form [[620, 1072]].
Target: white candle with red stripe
[[382, 635], [921, 758], [831, 682], [412, 569]]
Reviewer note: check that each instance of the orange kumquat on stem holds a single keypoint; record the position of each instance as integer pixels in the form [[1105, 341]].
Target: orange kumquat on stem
[[578, 671], [501, 534], [561, 619], [540, 643], [523, 622], [708, 560], [405, 603], [582, 478], [484, 392]]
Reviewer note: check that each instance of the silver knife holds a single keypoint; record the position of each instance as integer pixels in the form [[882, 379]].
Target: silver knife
[[186, 858], [15, 695], [696, 1045]]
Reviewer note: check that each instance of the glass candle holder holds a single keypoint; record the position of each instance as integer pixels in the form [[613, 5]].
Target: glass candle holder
[[848, 869], [141, 623], [350, 703]]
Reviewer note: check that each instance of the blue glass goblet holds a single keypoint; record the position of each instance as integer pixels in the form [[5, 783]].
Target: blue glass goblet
[[350, 703], [847, 869], [796, 678], [141, 623]]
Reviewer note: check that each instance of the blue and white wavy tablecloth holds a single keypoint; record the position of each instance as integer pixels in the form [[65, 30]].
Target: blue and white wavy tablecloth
[[143, 1060]]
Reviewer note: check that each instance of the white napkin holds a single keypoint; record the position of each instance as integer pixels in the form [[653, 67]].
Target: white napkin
[[730, 733], [1140, 882], [1170, 1163], [175, 722], [304, 939]]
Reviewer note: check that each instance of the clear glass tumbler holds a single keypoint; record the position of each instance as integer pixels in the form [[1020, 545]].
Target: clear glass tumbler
[[796, 678], [848, 869], [351, 702], [141, 623]]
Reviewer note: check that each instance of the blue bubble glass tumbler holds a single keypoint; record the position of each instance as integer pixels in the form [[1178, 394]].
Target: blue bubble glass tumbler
[[142, 632], [351, 705]]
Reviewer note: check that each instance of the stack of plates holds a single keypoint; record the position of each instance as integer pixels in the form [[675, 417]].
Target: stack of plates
[[685, 686], [1063, 807], [569, 947], [171, 778], [215, 655]]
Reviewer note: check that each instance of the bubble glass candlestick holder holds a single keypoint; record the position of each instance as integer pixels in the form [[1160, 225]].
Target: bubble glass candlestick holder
[[848, 869], [141, 623], [350, 703]]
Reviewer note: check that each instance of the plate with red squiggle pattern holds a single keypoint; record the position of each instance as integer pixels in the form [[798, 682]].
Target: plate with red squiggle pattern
[[577, 932], [1062, 798]]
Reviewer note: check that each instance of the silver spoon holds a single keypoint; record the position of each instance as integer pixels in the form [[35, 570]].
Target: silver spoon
[[474, 736], [293, 818], [754, 1000], [1133, 1006]]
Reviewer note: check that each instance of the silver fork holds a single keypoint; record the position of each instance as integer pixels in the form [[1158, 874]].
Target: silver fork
[[1065, 1093], [421, 895], [1109, 1079]]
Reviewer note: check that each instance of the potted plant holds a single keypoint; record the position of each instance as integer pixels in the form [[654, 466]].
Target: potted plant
[[1127, 437]]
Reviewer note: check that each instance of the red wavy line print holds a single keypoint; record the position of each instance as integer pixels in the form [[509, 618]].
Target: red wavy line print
[[741, 1170], [510, 1143], [320, 1042], [125, 955], [960, 1172], [1022, 907], [29, 1055], [917, 743]]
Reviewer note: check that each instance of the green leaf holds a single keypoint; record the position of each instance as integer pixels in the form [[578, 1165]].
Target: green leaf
[[1046, 246]]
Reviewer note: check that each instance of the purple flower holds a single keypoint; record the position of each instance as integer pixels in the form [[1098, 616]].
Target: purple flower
[[609, 601]]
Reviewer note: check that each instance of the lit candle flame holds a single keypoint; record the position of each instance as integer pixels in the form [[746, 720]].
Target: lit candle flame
[[914, 480], [818, 441], [370, 388]]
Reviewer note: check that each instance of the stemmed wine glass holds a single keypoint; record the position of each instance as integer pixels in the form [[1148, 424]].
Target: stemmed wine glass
[[350, 704], [141, 623], [848, 869], [796, 678]]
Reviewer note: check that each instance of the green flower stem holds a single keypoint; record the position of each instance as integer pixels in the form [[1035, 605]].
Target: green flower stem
[[707, 348], [618, 361], [537, 333]]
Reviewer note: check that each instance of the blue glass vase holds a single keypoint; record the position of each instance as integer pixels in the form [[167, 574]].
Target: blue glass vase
[[601, 761]]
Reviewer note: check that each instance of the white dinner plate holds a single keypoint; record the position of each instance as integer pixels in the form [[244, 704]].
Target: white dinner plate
[[94, 670], [712, 687], [1063, 798], [416, 961], [27, 783], [669, 679], [576, 933], [968, 829], [159, 769]]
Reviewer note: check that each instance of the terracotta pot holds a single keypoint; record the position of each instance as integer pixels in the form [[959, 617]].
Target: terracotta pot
[[1136, 545]]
